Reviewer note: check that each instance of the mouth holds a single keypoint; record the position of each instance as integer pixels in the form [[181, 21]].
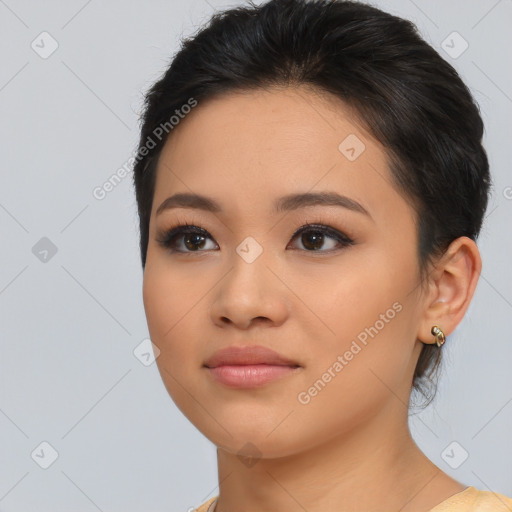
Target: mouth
[[250, 375], [249, 366]]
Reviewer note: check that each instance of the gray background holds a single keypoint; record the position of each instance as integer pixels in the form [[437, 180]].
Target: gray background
[[72, 320]]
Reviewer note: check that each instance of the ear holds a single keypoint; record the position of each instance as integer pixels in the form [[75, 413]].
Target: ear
[[452, 284]]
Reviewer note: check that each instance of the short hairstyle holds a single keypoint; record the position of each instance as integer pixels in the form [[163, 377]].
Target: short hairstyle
[[400, 89]]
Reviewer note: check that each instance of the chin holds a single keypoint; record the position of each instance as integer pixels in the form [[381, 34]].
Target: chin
[[256, 441]]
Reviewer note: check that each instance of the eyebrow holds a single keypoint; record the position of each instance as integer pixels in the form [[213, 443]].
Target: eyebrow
[[286, 203]]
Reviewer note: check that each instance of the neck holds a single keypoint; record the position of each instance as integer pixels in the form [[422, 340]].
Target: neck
[[375, 467]]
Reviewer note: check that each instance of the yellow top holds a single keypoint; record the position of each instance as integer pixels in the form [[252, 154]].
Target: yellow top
[[468, 500]]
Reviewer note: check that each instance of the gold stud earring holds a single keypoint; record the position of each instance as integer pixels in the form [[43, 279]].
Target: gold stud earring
[[439, 334]]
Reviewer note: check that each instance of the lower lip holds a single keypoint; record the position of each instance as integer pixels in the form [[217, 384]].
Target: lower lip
[[250, 376]]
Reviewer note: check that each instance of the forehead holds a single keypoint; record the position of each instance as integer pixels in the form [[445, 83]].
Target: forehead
[[248, 147]]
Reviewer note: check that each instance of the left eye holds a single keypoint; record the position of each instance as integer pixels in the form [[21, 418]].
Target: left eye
[[314, 236], [194, 239]]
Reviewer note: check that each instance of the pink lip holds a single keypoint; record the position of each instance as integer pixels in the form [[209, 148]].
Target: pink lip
[[253, 354], [247, 367], [250, 376]]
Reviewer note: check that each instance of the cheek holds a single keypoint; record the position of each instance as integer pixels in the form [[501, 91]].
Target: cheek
[[157, 304], [347, 304], [354, 375], [170, 312], [169, 305], [364, 333]]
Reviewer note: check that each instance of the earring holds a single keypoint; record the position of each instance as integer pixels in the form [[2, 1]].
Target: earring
[[439, 334]]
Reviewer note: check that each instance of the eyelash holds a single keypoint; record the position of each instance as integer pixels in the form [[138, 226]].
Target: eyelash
[[167, 238]]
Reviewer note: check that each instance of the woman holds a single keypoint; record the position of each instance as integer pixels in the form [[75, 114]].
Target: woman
[[310, 183]]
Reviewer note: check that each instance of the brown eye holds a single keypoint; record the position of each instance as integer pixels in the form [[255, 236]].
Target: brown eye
[[313, 240], [193, 241], [313, 237], [185, 239]]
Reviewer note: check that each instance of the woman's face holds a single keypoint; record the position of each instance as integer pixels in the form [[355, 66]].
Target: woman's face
[[347, 313]]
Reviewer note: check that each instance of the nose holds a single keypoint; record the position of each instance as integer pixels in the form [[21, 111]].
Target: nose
[[249, 294]]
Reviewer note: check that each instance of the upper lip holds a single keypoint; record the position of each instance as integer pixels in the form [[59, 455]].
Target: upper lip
[[253, 354]]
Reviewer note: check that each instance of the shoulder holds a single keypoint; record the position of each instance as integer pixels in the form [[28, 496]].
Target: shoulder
[[475, 500], [488, 501], [207, 504]]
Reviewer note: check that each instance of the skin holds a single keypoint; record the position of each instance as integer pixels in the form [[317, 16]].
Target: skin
[[245, 150]]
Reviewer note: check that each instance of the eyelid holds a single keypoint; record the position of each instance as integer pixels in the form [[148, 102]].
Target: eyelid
[[323, 228], [329, 221]]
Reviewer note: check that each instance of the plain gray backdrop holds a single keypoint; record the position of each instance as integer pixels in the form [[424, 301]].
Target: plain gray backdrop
[[85, 422]]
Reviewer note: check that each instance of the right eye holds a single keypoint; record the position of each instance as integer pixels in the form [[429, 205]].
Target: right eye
[[185, 239]]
